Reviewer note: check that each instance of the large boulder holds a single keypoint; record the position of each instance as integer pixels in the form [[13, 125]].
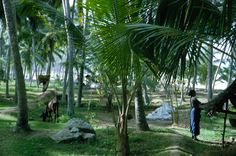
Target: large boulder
[[75, 130]]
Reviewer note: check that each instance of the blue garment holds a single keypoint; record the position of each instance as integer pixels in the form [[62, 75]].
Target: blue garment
[[195, 115]]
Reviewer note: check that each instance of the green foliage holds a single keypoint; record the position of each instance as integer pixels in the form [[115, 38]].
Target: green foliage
[[202, 72]]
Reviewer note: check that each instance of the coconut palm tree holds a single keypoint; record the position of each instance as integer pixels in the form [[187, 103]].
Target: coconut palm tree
[[22, 119], [71, 52], [181, 32], [175, 32], [113, 53]]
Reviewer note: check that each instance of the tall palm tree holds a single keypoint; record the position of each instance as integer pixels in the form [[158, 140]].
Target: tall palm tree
[[140, 117], [210, 74], [71, 51], [22, 119], [83, 19]]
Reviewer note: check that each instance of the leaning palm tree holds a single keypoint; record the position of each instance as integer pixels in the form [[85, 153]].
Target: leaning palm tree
[[22, 119]]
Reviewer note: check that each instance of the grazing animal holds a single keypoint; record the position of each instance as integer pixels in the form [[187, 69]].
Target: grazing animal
[[44, 79], [51, 108]]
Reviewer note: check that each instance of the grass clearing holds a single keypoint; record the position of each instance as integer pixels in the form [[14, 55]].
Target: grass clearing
[[163, 139]]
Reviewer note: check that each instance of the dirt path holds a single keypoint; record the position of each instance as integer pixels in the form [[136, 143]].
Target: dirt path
[[8, 110]]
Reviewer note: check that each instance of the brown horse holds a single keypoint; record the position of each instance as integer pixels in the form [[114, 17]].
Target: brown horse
[[51, 108]]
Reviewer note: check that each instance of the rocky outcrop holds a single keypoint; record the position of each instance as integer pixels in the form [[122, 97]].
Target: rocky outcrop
[[75, 130]]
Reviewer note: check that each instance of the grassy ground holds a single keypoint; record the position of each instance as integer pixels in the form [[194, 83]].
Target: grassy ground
[[163, 139]]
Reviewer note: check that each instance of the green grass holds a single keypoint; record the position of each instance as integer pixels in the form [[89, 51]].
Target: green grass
[[155, 142], [158, 141]]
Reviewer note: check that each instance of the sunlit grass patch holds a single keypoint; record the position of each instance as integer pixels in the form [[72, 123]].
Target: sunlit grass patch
[[7, 117]]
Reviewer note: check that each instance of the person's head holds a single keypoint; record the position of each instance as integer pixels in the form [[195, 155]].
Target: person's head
[[192, 93]]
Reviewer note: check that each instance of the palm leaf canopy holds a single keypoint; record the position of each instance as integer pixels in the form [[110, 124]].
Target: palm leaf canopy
[[179, 31], [54, 15]]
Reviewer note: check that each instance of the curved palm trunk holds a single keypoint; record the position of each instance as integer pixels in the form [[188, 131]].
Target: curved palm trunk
[[22, 118], [141, 122]]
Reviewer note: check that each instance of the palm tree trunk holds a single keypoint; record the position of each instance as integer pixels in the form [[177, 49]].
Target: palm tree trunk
[[194, 76], [188, 84], [1, 40], [182, 92], [210, 74], [217, 71], [64, 99], [230, 72], [33, 61], [22, 118], [82, 66], [81, 79], [49, 63], [70, 104], [140, 118], [145, 95], [122, 140], [8, 72], [231, 66], [123, 148]]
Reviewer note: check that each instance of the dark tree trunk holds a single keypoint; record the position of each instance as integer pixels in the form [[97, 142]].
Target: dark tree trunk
[[122, 139], [141, 122], [22, 118], [194, 76], [81, 79], [182, 92], [8, 72], [123, 148], [109, 103]]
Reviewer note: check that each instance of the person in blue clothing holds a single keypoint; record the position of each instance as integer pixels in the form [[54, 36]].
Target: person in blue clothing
[[195, 115]]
